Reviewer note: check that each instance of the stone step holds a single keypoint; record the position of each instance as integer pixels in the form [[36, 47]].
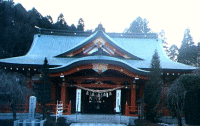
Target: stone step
[[96, 124], [87, 118]]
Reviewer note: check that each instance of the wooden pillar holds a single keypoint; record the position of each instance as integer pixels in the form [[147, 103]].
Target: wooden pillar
[[133, 95], [67, 96], [69, 108], [126, 109], [63, 93]]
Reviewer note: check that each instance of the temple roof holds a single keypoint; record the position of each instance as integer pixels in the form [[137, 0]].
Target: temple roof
[[131, 51]]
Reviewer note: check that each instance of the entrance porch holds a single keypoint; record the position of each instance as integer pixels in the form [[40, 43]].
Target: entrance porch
[[90, 92], [86, 101]]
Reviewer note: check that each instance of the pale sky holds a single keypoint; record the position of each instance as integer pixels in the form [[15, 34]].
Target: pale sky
[[173, 16]]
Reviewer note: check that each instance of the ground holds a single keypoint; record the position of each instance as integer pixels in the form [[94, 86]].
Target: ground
[[52, 122], [8, 122], [145, 123]]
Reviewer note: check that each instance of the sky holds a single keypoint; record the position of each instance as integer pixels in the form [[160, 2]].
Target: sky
[[173, 16]]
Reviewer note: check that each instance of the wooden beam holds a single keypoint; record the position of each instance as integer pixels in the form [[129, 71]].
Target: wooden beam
[[86, 53], [125, 71], [81, 49], [98, 86], [72, 70], [90, 66], [114, 50], [101, 79]]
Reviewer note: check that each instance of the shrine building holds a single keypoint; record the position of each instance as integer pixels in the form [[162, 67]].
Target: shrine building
[[95, 72]]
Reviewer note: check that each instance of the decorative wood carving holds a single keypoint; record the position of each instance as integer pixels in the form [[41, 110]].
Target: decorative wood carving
[[100, 67], [99, 82], [100, 41]]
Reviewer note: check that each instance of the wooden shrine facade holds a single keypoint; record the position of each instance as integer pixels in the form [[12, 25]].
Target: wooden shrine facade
[[95, 72], [100, 92], [97, 91]]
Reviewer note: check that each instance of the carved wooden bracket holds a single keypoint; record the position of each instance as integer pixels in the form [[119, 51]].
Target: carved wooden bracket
[[100, 67]]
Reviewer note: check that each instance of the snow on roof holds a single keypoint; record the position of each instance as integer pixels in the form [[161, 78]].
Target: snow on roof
[[53, 45]]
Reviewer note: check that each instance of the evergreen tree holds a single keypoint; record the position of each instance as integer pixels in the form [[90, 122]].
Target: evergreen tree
[[164, 41], [152, 94], [43, 93], [80, 26], [61, 24], [73, 27], [50, 19], [139, 25], [155, 69], [34, 17], [187, 51], [173, 52]]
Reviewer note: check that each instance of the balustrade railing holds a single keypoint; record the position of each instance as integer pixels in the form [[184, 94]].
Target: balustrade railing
[[131, 110], [6, 108], [21, 108]]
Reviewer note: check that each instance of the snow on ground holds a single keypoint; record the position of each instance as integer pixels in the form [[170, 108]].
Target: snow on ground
[[168, 124], [96, 124]]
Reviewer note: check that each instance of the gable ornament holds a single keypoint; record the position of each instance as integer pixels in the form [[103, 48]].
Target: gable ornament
[[100, 67]]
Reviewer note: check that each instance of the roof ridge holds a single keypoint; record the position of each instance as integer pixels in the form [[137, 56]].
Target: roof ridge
[[88, 33]]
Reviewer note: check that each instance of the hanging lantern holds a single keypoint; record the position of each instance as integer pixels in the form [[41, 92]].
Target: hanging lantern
[[99, 95], [92, 94], [104, 94], [71, 83], [126, 84], [87, 93], [90, 99], [110, 93]]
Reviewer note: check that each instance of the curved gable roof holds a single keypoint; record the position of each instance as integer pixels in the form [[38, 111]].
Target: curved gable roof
[[99, 59], [93, 37], [138, 48]]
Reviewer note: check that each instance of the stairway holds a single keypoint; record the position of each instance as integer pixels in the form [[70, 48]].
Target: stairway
[[96, 124], [97, 118]]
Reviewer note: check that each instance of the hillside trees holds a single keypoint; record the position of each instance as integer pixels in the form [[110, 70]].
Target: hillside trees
[[80, 26], [18, 27], [17, 32], [187, 51], [139, 25], [173, 52], [164, 41], [61, 24]]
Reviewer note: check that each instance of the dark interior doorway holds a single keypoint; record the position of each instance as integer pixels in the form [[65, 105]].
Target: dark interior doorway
[[72, 98], [96, 105]]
